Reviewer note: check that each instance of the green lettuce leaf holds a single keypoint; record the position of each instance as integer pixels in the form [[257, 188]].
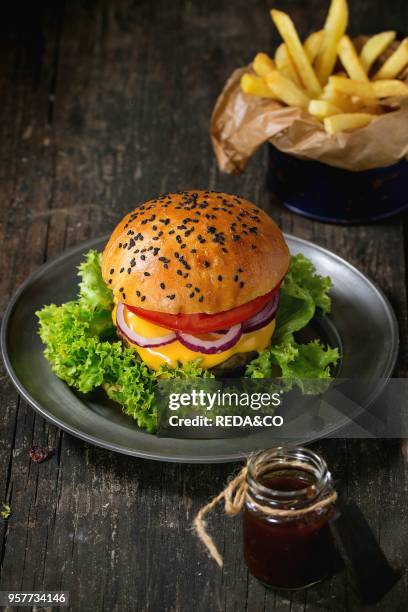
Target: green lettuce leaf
[[186, 371], [295, 363], [302, 291], [93, 292], [85, 361]]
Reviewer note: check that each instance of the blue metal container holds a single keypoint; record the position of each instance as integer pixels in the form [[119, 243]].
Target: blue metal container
[[334, 195]]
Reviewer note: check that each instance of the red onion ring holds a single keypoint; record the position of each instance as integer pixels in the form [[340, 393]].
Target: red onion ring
[[211, 347], [263, 317], [137, 338]]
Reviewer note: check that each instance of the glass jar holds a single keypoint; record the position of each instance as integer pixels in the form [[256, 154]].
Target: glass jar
[[288, 550]]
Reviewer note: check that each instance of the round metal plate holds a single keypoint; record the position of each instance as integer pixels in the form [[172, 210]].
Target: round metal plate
[[361, 323]]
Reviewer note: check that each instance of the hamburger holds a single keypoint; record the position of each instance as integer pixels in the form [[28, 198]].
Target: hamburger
[[195, 276]]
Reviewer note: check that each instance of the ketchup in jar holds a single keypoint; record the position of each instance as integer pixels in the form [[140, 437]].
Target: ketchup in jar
[[286, 545]]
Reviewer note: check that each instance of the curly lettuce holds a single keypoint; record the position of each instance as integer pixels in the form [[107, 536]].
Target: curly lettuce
[[301, 294], [85, 361], [93, 292]]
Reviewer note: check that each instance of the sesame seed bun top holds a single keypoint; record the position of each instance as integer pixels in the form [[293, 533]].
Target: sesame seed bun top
[[194, 252]]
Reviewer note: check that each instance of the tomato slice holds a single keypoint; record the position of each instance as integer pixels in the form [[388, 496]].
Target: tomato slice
[[201, 323]]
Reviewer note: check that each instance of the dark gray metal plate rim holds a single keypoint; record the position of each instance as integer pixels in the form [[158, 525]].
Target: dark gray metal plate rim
[[198, 451]]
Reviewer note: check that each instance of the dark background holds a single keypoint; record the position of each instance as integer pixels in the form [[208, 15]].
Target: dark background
[[104, 104]]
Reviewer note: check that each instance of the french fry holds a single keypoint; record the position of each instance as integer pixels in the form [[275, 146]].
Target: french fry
[[369, 91], [389, 87], [350, 59], [322, 109], [395, 63], [285, 64], [346, 121], [288, 32], [363, 90], [374, 47], [263, 64], [341, 100], [334, 28], [312, 45], [256, 86], [285, 90]]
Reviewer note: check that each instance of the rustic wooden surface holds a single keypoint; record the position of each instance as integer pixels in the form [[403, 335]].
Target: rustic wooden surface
[[103, 104]]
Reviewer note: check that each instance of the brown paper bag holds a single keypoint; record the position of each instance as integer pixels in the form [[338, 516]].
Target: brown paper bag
[[241, 123]]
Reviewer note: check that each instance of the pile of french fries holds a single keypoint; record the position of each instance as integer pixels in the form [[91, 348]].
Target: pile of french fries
[[301, 75]]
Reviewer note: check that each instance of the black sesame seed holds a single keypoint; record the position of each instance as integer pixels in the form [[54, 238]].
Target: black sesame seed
[[241, 284], [206, 264], [201, 298], [129, 270], [121, 270], [162, 286], [138, 293], [143, 257], [184, 263], [111, 271], [110, 281], [143, 298], [192, 294], [220, 277], [146, 273]]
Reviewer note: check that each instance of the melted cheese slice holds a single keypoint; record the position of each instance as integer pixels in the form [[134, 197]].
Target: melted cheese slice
[[175, 352]]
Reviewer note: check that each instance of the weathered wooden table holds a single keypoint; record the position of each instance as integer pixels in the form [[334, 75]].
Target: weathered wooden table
[[105, 104]]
